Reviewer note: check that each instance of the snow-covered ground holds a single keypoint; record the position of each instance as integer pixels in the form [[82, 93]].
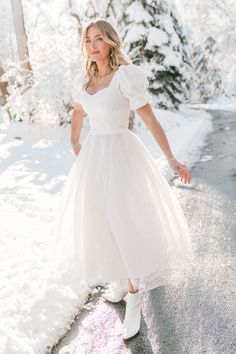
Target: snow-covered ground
[[37, 307], [223, 103]]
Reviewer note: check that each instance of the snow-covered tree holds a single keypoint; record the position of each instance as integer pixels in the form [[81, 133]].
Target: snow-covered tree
[[53, 34], [215, 18], [157, 41], [92, 9], [207, 81], [53, 31], [44, 94]]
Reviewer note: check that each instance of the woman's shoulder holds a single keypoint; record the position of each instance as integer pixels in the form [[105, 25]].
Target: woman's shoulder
[[133, 84], [130, 69], [132, 73]]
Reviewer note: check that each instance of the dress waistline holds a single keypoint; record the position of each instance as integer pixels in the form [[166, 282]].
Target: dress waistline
[[107, 131]]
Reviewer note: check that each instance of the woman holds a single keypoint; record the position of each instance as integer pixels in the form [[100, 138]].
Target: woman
[[121, 223]]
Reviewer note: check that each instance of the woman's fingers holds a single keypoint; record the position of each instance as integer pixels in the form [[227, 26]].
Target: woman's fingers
[[76, 150], [185, 174], [182, 171]]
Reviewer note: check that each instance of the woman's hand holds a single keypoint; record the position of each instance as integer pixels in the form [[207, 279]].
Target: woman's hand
[[183, 172], [76, 147]]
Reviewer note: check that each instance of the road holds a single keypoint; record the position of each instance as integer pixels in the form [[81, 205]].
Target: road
[[201, 317]]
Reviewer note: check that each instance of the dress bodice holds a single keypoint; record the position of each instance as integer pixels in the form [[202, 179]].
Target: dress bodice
[[108, 109]]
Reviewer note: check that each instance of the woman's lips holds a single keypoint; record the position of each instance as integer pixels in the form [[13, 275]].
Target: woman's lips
[[95, 52]]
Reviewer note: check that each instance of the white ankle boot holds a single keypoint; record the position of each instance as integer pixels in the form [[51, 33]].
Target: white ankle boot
[[131, 324], [116, 292]]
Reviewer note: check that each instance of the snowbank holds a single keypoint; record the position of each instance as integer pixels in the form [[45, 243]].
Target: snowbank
[[36, 308], [222, 103]]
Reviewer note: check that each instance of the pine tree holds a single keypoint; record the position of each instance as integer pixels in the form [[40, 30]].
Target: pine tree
[[156, 41], [215, 18], [207, 82]]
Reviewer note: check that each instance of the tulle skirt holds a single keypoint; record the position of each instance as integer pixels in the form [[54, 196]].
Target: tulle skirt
[[119, 217]]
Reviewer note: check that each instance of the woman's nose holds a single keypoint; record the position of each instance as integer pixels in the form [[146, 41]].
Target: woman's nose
[[93, 44]]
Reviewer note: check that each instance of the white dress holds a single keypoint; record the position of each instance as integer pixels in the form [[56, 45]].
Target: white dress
[[120, 218]]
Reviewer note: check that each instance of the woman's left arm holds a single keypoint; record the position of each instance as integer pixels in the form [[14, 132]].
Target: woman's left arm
[[146, 113]]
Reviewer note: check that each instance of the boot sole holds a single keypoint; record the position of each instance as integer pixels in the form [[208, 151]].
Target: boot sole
[[127, 338], [116, 301]]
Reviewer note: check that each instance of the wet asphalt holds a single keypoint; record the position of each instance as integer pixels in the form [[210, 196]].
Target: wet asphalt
[[201, 316]]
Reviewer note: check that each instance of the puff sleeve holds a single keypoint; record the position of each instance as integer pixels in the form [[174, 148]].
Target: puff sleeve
[[76, 91], [134, 85]]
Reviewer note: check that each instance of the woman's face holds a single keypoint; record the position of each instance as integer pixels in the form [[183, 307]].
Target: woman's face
[[95, 46]]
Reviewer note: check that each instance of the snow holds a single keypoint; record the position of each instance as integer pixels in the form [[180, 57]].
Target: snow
[[137, 13], [186, 131], [222, 103], [37, 307], [31, 301], [135, 33], [172, 60], [159, 48], [215, 19], [166, 23], [175, 39], [156, 37], [206, 158]]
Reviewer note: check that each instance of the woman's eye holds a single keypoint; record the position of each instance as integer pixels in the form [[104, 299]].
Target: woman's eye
[[99, 38]]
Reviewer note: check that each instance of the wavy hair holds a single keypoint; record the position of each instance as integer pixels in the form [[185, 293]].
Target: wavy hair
[[116, 55]]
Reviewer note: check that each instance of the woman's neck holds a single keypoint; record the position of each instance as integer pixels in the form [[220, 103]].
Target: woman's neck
[[103, 68]]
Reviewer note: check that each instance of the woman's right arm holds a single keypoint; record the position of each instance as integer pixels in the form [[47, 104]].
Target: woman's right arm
[[76, 125]]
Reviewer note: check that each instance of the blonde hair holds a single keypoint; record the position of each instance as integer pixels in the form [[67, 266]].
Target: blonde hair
[[110, 36]]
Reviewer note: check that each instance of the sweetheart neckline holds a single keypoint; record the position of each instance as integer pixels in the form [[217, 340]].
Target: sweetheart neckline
[[104, 88]]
